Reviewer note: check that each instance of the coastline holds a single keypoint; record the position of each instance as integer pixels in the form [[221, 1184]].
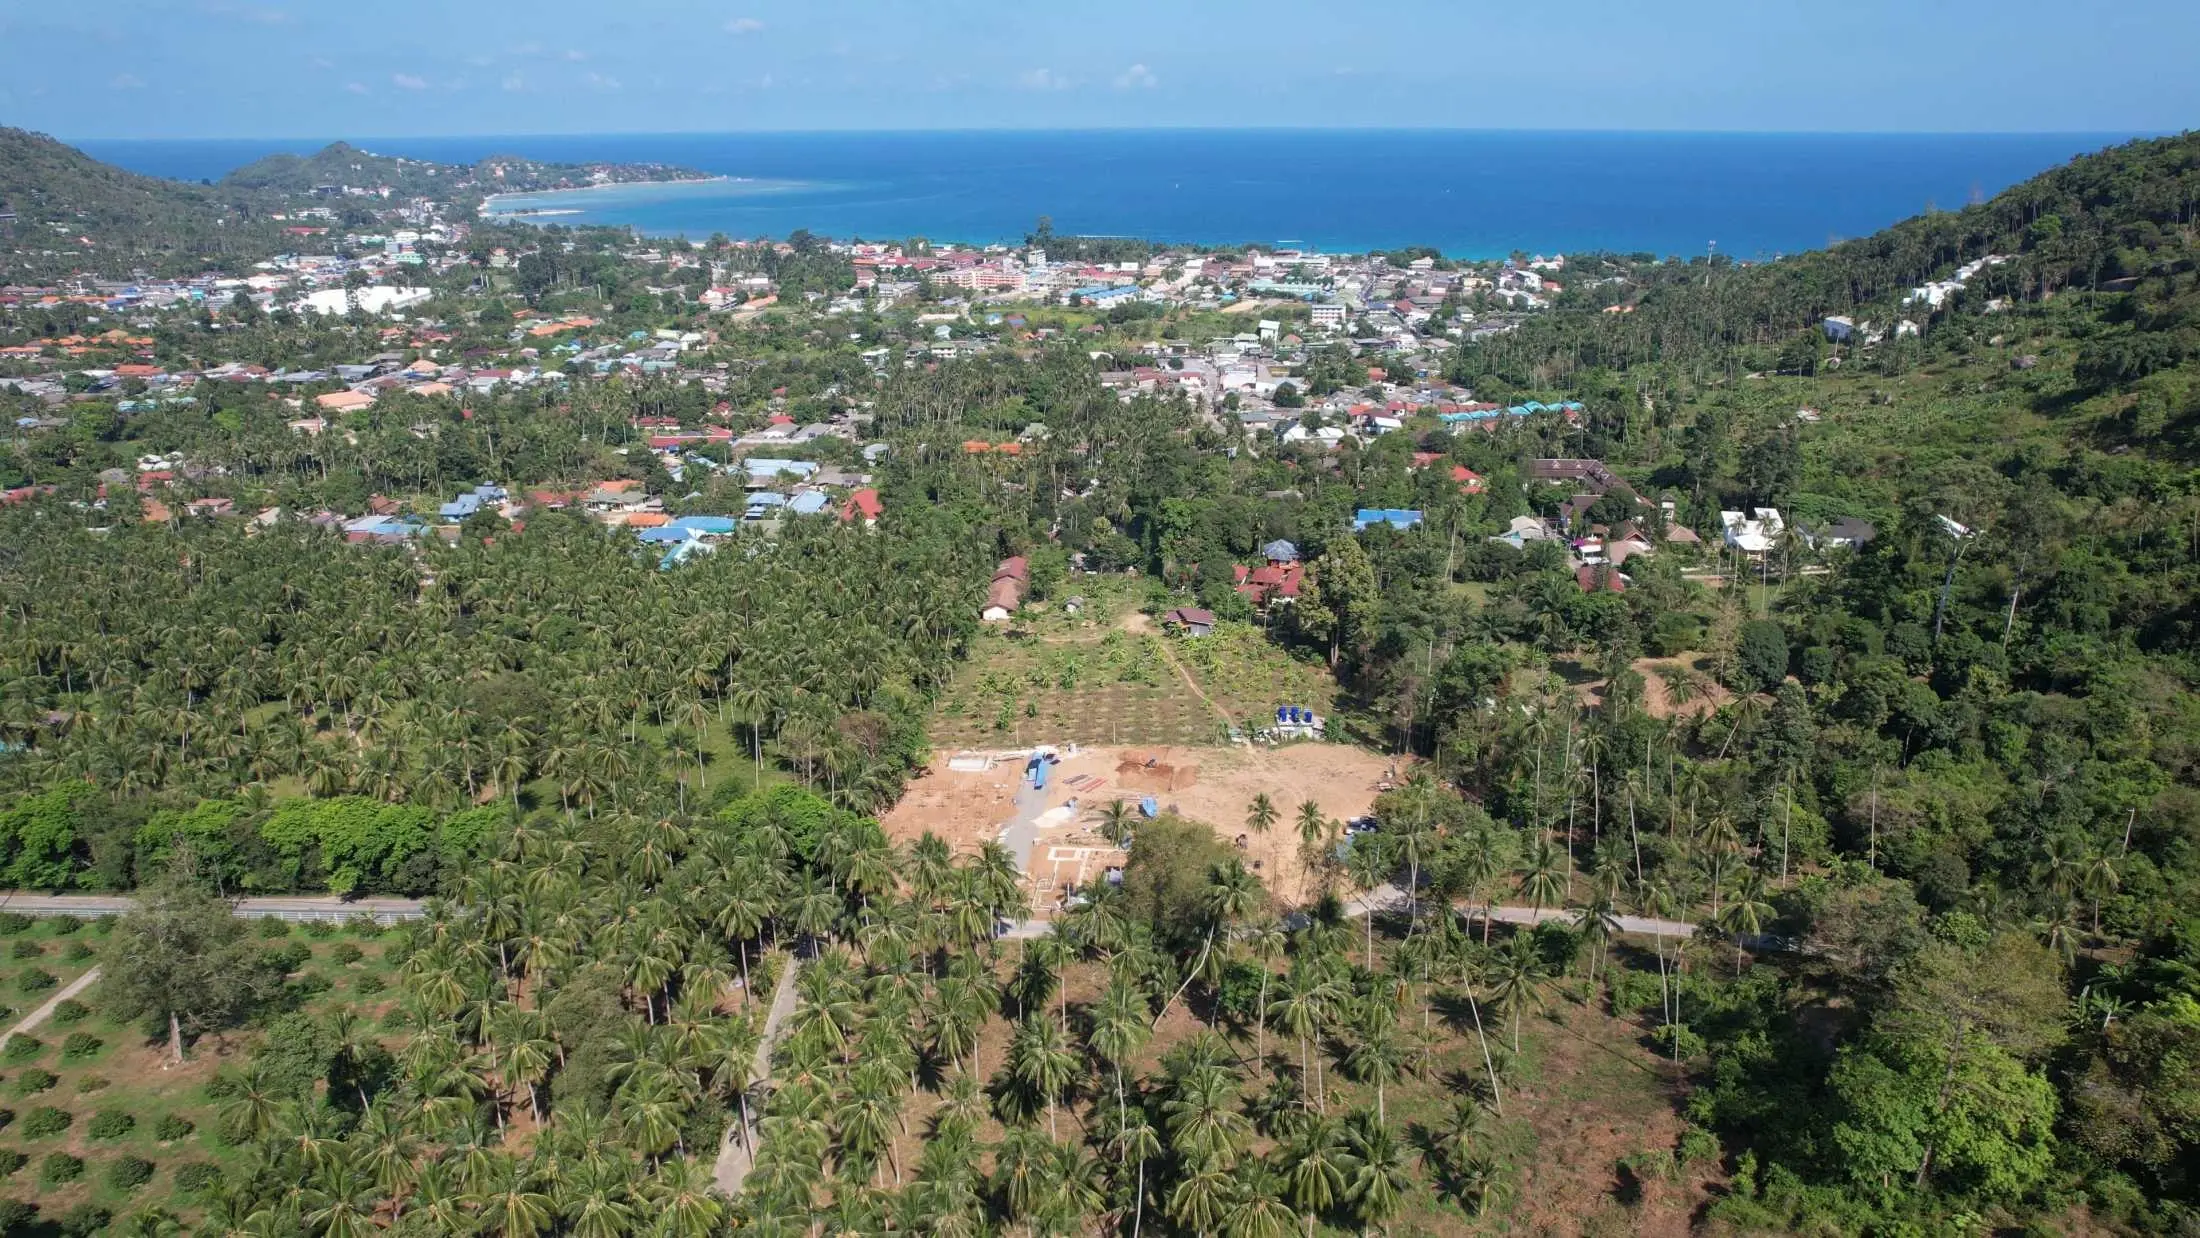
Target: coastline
[[488, 204]]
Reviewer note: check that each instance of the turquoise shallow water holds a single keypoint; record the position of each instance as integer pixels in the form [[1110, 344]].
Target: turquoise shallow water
[[1469, 193]]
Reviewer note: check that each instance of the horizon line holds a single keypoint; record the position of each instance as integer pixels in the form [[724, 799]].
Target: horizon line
[[2126, 134]]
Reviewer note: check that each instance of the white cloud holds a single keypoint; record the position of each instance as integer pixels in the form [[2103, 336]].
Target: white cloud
[[322, 62], [599, 81], [1041, 79], [515, 82], [1137, 77], [406, 81], [575, 55], [126, 81], [527, 49], [743, 25], [355, 88]]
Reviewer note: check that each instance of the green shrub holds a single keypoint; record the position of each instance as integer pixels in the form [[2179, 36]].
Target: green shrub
[[92, 1083], [13, 922], [129, 1173], [23, 1049], [80, 1045], [105, 925], [171, 1127], [71, 1011], [1697, 1146], [60, 1168], [292, 956], [46, 1120], [320, 928], [7, 1116], [310, 985], [194, 1177], [26, 948], [369, 984], [347, 953], [64, 926], [10, 1161], [110, 1124], [83, 1221], [222, 1086], [272, 928], [360, 924], [16, 1216], [36, 980], [33, 1081], [78, 951]]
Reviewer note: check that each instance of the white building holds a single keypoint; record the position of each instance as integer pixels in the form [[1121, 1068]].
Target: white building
[[374, 300], [1753, 534]]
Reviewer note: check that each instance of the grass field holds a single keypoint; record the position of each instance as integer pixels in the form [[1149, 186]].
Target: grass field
[[125, 1104], [1119, 688], [1108, 675]]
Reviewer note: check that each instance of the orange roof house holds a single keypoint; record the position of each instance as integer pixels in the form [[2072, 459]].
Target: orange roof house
[[863, 503], [344, 401]]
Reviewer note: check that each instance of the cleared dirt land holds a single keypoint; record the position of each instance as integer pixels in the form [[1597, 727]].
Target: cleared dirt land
[[1212, 785]]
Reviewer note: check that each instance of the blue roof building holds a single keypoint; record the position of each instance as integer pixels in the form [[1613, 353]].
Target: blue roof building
[[705, 524], [666, 536], [1280, 551], [808, 503], [461, 507], [1396, 518], [1097, 295], [763, 470]]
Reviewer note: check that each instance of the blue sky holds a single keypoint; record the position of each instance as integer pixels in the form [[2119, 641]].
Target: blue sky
[[321, 68]]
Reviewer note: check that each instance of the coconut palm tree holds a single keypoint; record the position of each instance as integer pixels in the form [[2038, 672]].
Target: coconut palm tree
[[1135, 1140], [1543, 883], [1379, 1180], [1316, 1163], [1042, 1063], [1375, 1054], [1515, 973], [1745, 916], [1597, 922], [1261, 817], [1115, 820]]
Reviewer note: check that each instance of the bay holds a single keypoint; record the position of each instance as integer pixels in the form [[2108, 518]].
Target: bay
[[1468, 193]]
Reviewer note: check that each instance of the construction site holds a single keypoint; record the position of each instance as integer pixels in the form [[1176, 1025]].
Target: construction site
[[974, 797]]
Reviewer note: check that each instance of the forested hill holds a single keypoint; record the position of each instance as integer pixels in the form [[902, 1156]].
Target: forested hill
[[74, 212], [342, 164], [2124, 214]]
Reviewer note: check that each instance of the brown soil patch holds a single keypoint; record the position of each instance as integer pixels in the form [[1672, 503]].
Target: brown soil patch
[[1341, 779], [1161, 770], [1212, 785], [1657, 696], [1600, 1098], [965, 809]]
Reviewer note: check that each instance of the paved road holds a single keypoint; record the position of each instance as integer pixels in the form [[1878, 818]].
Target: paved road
[[1021, 834], [287, 907], [1391, 898], [738, 1153], [40, 1015]]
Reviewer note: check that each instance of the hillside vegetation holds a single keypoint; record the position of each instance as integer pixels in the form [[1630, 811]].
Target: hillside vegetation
[[74, 213], [1916, 822]]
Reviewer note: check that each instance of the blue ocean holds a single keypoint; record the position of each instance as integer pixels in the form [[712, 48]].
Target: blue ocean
[[1473, 194]]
